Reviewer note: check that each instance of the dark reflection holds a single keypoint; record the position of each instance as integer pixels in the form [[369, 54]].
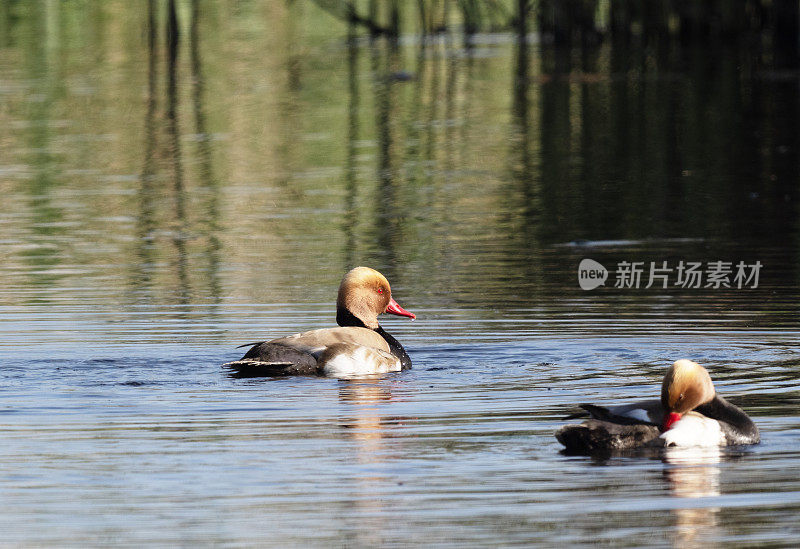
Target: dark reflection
[[174, 150], [387, 215], [414, 172], [432, 121], [384, 59], [162, 153], [555, 130], [289, 111], [452, 57], [147, 196], [351, 168], [209, 224], [523, 168], [614, 134], [524, 171], [179, 217], [674, 153]]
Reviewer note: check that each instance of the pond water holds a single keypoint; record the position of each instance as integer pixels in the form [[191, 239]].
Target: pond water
[[165, 201]]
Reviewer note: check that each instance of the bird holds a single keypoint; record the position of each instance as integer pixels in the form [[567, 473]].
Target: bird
[[358, 346], [689, 413]]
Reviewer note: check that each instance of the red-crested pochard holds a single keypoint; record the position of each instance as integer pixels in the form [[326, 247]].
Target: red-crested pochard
[[690, 413], [359, 346]]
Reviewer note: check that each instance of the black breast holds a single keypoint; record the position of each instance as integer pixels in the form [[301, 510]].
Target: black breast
[[346, 318], [737, 426], [396, 349]]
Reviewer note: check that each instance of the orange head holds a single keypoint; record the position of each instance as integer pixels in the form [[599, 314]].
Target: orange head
[[686, 386], [366, 293]]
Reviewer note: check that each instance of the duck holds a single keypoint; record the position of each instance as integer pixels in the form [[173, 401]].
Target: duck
[[359, 346], [689, 413]]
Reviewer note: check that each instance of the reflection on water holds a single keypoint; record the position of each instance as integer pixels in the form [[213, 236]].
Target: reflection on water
[[363, 423], [693, 473], [218, 166], [183, 176]]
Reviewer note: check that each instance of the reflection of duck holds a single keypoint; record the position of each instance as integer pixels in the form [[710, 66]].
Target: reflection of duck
[[358, 346], [368, 434], [693, 472], [363, 420], [690, 413]]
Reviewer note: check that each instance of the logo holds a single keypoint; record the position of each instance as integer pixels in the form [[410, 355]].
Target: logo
[[591, 274], [686, 274]]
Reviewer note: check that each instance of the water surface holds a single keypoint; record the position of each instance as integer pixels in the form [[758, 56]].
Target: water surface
[[164, 202]]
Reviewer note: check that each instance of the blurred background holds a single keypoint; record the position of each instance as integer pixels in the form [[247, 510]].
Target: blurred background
[[194, 152]]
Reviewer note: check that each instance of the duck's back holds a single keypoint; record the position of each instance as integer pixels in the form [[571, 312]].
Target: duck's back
[[315, 342]]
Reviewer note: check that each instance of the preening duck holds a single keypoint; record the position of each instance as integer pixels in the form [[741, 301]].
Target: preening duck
[[359, 346], [689, 413]]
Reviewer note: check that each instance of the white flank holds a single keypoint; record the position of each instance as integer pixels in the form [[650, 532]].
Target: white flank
[[361, 361], [694, 430]]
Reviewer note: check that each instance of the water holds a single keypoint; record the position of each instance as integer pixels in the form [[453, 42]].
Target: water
[[157, 214]]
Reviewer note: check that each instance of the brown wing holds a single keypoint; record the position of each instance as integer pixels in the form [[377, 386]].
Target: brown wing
[[315, 342]]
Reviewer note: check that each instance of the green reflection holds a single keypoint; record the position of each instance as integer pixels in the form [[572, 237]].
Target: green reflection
[[189, 151]]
